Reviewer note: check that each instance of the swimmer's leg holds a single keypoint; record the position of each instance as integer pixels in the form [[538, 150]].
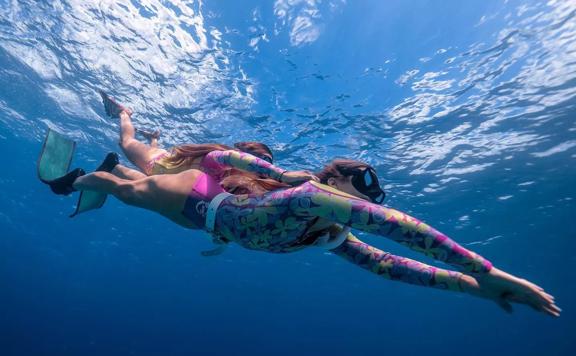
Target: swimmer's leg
[[64, 185], [151, 136], [104, 182], [111, 164], [142, 193], [165, 194], [124, 172], [137, 152]]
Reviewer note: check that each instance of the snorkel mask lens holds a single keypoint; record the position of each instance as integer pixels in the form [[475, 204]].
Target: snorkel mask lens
[[378, 199], [366, 182]]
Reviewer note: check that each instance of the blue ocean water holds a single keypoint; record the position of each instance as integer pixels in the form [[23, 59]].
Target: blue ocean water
[[466, 109]]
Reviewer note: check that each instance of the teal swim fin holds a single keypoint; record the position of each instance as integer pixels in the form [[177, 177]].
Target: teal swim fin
[[54, 162], [55, 157], [90, 200]]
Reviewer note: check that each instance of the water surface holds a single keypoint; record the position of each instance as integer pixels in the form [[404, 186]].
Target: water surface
[[465, 109]]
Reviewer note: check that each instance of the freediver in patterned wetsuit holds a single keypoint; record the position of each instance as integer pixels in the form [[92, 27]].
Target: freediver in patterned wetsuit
[[289, 219]]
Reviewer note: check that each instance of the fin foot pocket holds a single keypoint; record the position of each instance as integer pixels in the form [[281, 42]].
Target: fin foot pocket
[[109, 163], [63, 185]]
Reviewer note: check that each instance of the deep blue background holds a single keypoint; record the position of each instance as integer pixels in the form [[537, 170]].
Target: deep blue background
[[478, 141]]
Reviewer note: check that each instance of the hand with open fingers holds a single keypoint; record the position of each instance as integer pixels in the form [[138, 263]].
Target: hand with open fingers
[[504, 288], [296, 177]]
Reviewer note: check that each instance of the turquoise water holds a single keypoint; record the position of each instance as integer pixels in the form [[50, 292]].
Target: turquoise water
[[466, 109]]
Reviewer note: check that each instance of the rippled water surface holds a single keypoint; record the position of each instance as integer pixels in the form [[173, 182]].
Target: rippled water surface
[[466, 109]]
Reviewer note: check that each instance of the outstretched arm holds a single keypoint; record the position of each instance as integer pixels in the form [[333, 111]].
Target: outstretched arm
[[321, 201], [244, 161], [495, 285], [398, 268]]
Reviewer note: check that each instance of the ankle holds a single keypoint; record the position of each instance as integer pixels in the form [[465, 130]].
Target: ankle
[[77, 184], [125, 113]]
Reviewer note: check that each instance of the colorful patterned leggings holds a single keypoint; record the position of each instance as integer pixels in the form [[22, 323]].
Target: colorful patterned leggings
[[313, 200]]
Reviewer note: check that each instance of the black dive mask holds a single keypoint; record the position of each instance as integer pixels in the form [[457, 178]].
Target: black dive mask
[[366, 182], [266, 158]]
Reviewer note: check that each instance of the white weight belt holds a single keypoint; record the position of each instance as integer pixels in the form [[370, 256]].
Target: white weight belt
[[212, 207]]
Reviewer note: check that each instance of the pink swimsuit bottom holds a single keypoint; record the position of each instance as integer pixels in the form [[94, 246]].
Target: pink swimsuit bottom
[[204, 190]]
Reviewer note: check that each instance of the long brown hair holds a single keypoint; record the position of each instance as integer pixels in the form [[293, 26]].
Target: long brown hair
[[236, 181], [340, 168], [241, 182], [257, 149], [247, 183], [187, 154]]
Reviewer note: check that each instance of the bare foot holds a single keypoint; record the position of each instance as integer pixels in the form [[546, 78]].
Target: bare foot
[[112, 108], [150, 135], [504, 288]]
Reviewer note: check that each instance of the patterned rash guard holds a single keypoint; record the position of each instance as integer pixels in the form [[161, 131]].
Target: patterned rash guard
[[215, 166], [276, 222]]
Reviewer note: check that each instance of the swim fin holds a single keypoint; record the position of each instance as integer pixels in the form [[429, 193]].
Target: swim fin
[[54, 162], [112, 108], [55, 157], [63, 185], [90, 200]]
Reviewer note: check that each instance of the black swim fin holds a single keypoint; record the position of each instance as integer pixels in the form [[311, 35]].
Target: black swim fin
[[110, 161], [112, 108], [63, 185]]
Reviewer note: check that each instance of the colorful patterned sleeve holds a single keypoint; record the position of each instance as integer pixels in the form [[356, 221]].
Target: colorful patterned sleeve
[[397, 268], [323, 201], [243, 161]]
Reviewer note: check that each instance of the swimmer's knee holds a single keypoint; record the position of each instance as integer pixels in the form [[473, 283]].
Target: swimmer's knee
[[126, 142]]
